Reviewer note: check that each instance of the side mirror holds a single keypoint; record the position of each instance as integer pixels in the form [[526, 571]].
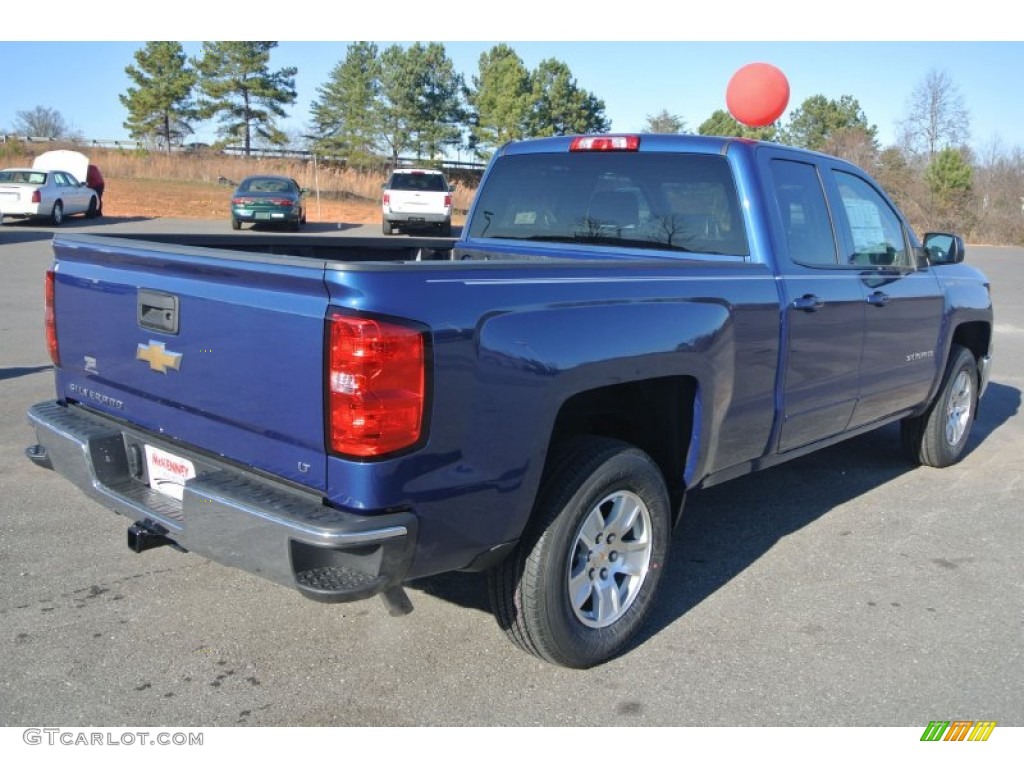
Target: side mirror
[[944, 248]]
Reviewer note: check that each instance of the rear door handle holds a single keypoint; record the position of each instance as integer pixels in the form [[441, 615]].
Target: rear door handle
[[808, 303], [879, 299]]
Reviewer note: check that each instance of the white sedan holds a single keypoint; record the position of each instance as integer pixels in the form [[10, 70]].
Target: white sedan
[[33, 193]]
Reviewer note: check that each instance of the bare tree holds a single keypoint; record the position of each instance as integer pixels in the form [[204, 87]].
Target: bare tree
[[937, 116], [855, 144], [999, 184], [41, 122]]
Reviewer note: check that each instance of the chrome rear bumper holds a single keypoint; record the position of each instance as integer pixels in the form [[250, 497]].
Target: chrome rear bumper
[[229, 514]]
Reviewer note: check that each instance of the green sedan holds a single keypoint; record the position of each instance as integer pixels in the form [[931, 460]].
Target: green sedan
[[268, 200]]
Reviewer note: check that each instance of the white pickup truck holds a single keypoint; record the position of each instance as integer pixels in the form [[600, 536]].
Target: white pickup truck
[[415, 197]]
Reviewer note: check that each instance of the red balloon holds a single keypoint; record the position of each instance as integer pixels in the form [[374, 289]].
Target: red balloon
[[757, 94]]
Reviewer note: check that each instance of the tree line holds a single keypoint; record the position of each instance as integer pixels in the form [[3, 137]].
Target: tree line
[[410, 101], [376, 102]]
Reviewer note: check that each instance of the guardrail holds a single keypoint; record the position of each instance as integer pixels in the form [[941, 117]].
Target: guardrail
[[196, 147]]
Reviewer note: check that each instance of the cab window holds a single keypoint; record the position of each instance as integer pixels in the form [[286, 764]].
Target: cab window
[[666, 201], [871, 225], [804, 213]]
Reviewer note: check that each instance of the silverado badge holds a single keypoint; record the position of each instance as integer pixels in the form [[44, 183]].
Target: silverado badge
[[158, 357]]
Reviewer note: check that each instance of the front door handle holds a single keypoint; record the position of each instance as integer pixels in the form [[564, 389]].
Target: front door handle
[[808, 303], [879, 299]]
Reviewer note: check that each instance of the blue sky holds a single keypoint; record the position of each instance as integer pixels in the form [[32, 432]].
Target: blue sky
[[82, 76]]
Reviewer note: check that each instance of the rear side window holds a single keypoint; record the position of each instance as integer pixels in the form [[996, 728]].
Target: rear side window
[[678, 202], [424, 182], [804, 213]]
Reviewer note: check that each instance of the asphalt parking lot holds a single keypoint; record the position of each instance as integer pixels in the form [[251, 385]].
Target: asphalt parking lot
[[846, 588]]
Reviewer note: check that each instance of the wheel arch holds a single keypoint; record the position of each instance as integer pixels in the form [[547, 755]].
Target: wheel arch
[[975, 336], [655, 415]]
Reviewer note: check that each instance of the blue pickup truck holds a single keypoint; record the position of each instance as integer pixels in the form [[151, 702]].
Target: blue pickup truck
[[624, 319]]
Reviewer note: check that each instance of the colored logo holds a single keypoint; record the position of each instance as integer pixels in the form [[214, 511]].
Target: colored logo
[[958, 730], [158, 357]]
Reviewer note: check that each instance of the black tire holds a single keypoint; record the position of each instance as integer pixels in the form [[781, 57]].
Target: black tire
[[295, 226], [388, 227], [938, 437], [57, 214], [570, 593], [445, 230], [93, 211], [235, 223]]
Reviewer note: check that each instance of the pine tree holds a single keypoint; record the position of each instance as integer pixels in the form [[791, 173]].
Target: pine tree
[[560, 106], [664, 122], [500, 99], [818, 118], [347, 114], [161, 104], [238, 87], [721, 123], [420, 101]]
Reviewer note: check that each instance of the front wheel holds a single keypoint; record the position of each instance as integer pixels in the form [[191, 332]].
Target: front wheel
[[581, 582], [938, 437]]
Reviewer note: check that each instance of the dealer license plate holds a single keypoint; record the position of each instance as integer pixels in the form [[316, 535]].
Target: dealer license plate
[[167, 472]]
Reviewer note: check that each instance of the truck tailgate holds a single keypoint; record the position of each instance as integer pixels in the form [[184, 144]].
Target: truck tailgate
[[209, 348]]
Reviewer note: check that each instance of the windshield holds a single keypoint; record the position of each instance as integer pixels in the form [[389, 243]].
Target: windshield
[[680, 202]]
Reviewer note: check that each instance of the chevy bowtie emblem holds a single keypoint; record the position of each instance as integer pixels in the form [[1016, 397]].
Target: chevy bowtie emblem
[[158, 357]]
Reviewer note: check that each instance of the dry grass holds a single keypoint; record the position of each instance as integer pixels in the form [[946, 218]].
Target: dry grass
[[199, 185]]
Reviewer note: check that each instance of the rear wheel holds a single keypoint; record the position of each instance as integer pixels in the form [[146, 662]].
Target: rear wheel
[[235, 223], [938, 437], [583, 578], [93, 210], [388, 227], [57, 214]]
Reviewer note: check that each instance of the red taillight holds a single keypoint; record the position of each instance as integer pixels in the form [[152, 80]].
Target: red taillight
[[376, 385], [51, 318], [283, 201], [605, 144], [36, 197], [239, 201], [387, 199], [447, 201]]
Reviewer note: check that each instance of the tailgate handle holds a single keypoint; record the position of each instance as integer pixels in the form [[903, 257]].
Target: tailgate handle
[[158, 311]]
